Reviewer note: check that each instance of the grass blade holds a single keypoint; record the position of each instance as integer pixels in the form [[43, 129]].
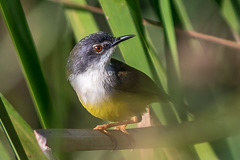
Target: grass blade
[[167, 20], [181, 10], [19, 133], [82, 22], [205, 151], [187, 25], [230, 10], [11, 133], [4, 153], [17, 25]]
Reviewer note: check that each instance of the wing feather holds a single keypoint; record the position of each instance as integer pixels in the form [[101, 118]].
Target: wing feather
[[132, 80]]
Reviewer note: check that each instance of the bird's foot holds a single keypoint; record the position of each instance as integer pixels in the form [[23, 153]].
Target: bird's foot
[[122, 128], [103, 128], [119, 126]]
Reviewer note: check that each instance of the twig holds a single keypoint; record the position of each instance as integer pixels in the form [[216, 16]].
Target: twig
[[75, 5], [197, 35], [200, 36], [187, 133]]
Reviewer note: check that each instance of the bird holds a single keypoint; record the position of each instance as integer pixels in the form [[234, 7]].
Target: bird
[[106, 87]]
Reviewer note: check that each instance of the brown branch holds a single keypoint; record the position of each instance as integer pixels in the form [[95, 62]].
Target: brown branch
[[193, 34], [76, 5], [200, 36], [187, 133], [212, 39]]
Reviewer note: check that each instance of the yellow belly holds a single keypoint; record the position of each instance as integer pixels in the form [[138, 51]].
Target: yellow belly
[[119, 107]]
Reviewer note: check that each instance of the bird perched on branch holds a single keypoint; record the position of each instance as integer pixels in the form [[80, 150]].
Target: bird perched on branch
[[107, 88]]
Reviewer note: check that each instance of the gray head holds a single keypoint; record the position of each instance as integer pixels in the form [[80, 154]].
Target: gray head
[[93, 51]]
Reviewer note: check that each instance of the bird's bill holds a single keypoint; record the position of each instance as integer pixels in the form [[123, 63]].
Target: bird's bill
[[122, 38]]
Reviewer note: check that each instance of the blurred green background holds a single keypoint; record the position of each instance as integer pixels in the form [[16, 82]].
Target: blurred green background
[[202, 74]]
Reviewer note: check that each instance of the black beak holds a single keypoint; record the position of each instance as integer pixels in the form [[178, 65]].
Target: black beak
[[122, 38]]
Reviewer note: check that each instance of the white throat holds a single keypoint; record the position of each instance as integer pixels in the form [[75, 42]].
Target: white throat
[[89, 86]]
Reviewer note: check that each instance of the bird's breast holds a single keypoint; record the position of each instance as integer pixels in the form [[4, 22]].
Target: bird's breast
[[89, 87]]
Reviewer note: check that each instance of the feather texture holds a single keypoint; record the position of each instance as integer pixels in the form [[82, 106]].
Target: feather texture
[[134, 81]]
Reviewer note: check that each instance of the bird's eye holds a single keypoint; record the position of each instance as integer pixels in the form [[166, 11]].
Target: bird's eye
[[98, 48]]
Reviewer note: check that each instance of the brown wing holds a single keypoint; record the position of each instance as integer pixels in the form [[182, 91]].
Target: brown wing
[[135, 81]]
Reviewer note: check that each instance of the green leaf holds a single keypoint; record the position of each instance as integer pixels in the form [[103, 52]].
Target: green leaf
[[4, 153], [167, 20], [183, 14], [10, 132], [230, 10], [82, 22], [205, 151], [187, 25], [21, 36], [19, 133]]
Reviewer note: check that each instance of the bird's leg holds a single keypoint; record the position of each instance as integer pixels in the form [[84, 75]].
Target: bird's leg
[[134, 119], [123, 126], [119, 126], [103, 129]]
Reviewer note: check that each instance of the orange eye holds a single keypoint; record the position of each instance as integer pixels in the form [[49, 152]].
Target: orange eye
[[98, 48]]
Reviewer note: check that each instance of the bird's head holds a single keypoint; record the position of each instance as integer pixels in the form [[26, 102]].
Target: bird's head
[[93, 52]]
